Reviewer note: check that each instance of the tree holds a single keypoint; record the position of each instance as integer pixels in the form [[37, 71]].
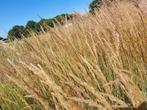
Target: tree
[[45, 24], [31, 25], [17, 32], [96, 4], [62, 18], [37, 27], [1, 38]]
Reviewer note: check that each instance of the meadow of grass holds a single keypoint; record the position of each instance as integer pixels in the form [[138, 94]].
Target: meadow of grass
[[97, 63]]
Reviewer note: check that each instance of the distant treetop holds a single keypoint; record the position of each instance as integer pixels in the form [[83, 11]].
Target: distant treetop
[[95, 4]]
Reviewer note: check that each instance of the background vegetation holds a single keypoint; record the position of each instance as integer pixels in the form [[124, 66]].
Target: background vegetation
[[17, 32]]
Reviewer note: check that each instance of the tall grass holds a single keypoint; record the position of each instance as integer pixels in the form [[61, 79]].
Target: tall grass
[[97, 63]]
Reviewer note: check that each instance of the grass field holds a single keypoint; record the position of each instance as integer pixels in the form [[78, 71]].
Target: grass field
[[97, 63]]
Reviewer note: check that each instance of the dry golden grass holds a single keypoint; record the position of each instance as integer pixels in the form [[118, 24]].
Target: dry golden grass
[[97, 63]]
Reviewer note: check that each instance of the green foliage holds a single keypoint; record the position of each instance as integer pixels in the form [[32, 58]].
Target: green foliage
[[61, 19], [96, 4], [1, 38], [31, 25], [45, 24], [38, 27], [17, 32]]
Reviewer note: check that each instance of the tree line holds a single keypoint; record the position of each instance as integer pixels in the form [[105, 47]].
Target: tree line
[[19, 31]]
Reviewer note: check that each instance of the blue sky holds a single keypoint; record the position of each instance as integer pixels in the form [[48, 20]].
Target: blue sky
[[18, 12]]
